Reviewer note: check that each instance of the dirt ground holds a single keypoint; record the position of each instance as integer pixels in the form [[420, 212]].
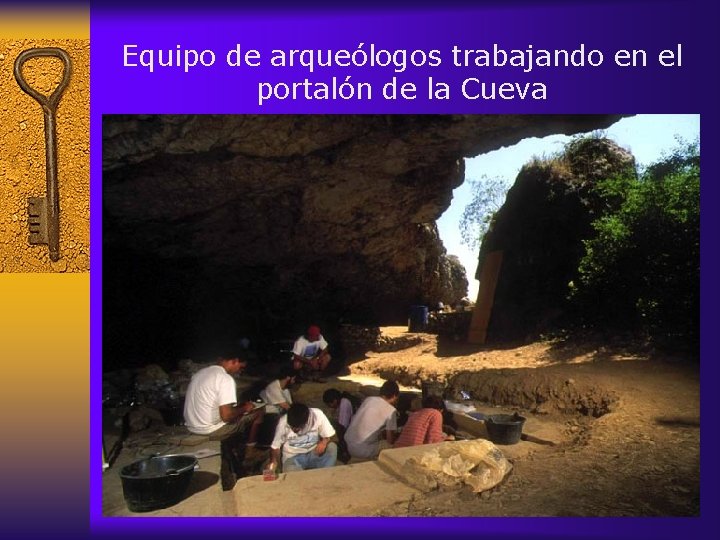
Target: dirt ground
[[632, 427]]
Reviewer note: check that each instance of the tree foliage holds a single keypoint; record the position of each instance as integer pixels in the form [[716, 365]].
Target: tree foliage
[[642, 268], [488, 196]]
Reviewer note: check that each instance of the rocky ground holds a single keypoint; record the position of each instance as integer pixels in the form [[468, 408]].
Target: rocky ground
[[632, 427]]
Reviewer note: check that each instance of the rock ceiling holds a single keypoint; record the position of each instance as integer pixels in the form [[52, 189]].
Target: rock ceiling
[[280, 218]]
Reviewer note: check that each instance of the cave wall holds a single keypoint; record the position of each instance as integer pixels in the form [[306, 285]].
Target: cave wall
[[259, 224]]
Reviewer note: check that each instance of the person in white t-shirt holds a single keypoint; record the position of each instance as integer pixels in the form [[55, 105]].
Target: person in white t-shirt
[[277, 393], [374, 419], [302, 436], [310, 353], [211, 408]]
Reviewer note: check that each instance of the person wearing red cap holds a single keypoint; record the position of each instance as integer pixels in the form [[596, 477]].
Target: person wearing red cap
[[310, 353]]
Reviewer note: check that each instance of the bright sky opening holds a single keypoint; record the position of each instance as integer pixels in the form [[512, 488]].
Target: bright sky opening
[[647, 136]]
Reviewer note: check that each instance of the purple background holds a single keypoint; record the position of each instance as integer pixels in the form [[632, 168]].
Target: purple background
[[606, 26], [224, 89]]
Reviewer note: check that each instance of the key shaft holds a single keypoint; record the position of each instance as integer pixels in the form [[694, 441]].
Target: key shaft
[[51, 186]]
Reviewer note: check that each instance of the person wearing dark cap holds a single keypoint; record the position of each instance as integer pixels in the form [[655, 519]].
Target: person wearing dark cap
[[310, 354], [211, 408]]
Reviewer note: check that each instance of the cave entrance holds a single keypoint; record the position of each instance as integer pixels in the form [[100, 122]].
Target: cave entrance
[[487, 179], [230, 226]]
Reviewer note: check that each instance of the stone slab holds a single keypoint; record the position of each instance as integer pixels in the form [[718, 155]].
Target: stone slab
[[469, 425], [185, 439], [393, 459], [539, 431], [363, 489], [360, 489]]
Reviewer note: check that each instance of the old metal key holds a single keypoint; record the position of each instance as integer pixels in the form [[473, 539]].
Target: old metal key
[[44, 212]]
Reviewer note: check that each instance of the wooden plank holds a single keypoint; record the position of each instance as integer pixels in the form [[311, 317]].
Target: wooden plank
[[486, 295]]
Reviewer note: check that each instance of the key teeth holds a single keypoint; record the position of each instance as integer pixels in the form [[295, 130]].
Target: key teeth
[[35, 206], [36, 238], [36, 220]]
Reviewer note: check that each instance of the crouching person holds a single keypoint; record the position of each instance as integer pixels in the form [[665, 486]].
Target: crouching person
[[344, 407], [303, 436], [376, 419]]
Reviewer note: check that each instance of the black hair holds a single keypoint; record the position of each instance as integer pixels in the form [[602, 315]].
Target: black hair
[[389, 389], [330, 395], [227, 351], [433, 402], [287, 371], [297, 415]]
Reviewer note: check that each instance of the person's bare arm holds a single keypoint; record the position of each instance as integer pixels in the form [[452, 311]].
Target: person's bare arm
[[301, 359], [230, 413], [322, 446], [390, 435], [275, 456]]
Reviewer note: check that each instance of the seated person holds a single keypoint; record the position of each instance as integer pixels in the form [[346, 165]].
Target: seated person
[[342, 404], [376, 417], [211, 408], [303, 435], [310, 353], [424, 426], [277, 393]]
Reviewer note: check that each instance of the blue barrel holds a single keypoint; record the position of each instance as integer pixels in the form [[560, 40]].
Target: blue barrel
[[418, 319]]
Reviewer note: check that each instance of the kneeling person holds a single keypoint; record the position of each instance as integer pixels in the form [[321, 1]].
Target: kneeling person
[[303, 435], [424, 426]]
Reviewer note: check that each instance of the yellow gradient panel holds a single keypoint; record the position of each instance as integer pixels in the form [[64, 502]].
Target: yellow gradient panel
[[45, 359], [45, 21]]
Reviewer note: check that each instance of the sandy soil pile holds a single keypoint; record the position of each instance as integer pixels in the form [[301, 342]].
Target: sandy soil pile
[[632, 424]]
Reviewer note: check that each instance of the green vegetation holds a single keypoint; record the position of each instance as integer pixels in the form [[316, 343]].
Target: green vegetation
[[637, 271], [488, 197], [642, 269]]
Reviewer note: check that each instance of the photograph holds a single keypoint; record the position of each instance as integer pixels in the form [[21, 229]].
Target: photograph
[[404, 315]]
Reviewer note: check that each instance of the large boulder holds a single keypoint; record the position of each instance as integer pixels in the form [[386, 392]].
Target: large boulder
[[540, 230]]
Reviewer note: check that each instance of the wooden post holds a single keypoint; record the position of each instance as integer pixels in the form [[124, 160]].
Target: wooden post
[[486, 295]]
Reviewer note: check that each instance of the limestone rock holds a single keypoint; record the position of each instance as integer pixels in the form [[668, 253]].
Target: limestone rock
[[540, 230], [222, 224], [476, 463]]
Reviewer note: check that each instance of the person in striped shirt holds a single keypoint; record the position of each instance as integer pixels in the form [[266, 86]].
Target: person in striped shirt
[[425, 426]]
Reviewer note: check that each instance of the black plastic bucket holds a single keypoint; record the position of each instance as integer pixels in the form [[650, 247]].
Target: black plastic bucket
[[156, 482], [504, 428], [418, 319]]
